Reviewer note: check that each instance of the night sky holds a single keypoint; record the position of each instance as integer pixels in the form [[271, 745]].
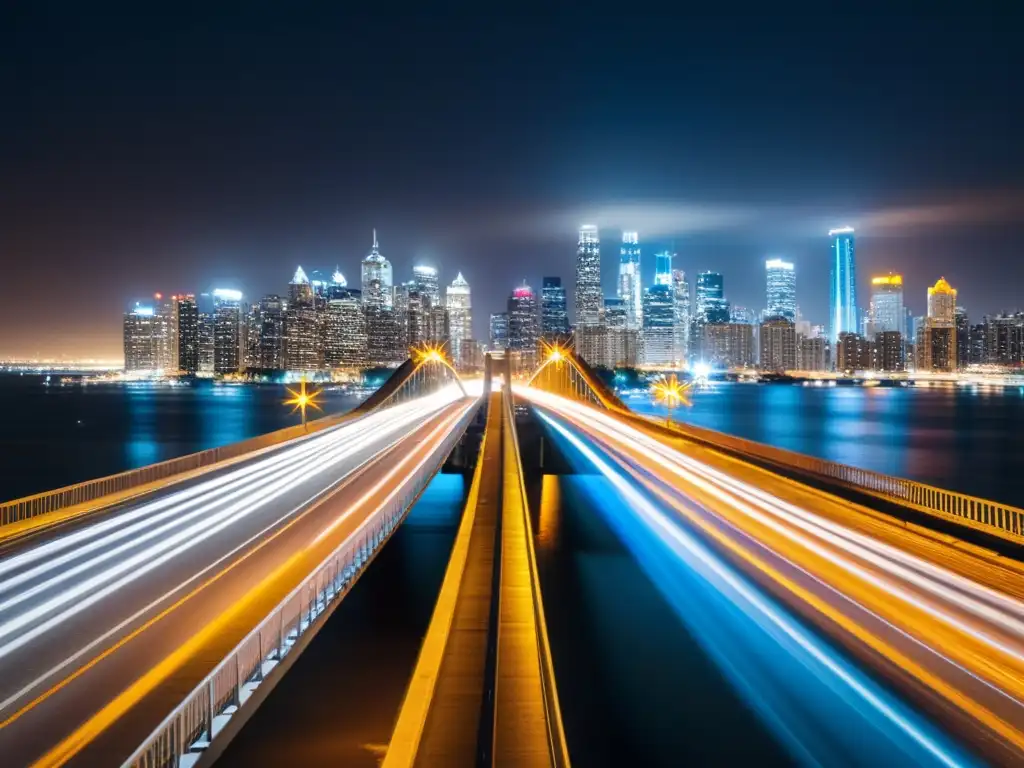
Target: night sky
[[145, 150]]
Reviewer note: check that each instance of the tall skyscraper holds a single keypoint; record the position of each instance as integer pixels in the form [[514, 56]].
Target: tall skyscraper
[[377, 278], [589, 297], [781, 280], [411, 307], [345, 328], [140, 343], [886, 311], [659, 325], [522, 319], [842, 284], [188, 334], [266, 334], [460, 317], [303, 333], [711, 304], [206, 323], [936, 346], [165, 333], [384, 341], [629, 289], [499, 330], [429, 283], [963, 339], [681, 309], [227, 330], [554, 312], [663, 268], [942, 304], [778, 344]]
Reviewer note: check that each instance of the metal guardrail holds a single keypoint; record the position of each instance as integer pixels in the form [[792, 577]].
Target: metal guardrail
[[188, 730], [556, 731], [989, 516]]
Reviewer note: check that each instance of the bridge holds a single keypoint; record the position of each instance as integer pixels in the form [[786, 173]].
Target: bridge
[[145, 616]]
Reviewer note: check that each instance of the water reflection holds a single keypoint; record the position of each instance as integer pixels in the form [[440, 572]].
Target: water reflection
[[143, 444]]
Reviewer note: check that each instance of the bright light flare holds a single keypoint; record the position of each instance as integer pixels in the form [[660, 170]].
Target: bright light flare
[[671, 391], [301, 399]]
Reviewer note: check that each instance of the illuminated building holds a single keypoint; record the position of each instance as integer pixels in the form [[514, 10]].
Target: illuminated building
[[522, 320], [437, 327], [629, 291], [853, 353], [377, 278], [728, 345], [781, 292], [206, 323], [345, 329], [658, 336], [620, 338], [681, 312], [888, 351], [942, 304], [140, 342], [472, 355], [886, 312], [188, 334], [842, 283], [963, 339], [1003, 340], [554, 312], [590, 342], [266, 337], [499, 330], [588, 276], [936, 345], [812, 353], [411, 307], [303, 330], [778, 344], [227, 330], [741, 315], [460, 317], [427, 280], [385, 344], [711, 304], [663, 268]]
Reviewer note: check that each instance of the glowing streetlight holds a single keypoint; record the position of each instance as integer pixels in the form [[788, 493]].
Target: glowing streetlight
[[299, 400], [671, 392]]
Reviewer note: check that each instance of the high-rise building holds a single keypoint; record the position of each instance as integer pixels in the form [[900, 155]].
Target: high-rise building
[[1003, 343], [165, 333], [460, 317], [781, 294], [345, 329], [812, 353], [629, 290], [227, 330], [778, 344], [742, 315], [889, 351], [429, 284], [936, 345], [303, 327], [842, 284], [658, 339], [377, 281], [499, 330], [942, 304], [887, 312], [588, 276], [266, 335], [554, 313], [853, 353], [728, 345], [681, 308], [385, 344], [711, 304], [522, 320], [663, 268], [437, 327], [411, 307], [188, 334], [963, 339], [140, 342]]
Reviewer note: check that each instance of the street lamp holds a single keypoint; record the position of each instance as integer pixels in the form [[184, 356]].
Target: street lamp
[[671, 392], [299, 400]]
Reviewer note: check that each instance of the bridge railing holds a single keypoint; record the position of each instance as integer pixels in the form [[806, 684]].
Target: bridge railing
[[190, 728], [989, 516]]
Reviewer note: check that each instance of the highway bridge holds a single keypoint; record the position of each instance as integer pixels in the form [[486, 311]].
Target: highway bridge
[[144, 617]]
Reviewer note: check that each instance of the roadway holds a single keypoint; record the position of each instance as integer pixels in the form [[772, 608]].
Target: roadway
[[939, 621], [93, 613]]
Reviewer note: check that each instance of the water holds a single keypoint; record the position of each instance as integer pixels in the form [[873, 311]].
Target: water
[[54, 436], [962, 439]]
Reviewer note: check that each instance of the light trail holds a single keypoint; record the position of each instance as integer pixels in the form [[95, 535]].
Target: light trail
[[888, 587]]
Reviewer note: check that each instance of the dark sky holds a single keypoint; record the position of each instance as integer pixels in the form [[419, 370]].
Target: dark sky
[[172, 150]]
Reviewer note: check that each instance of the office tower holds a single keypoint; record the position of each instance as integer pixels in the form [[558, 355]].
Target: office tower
[[588, 277], [812, 353], [889, 355], [303, 332], [963, 339], [853, 353], [188, 334], [429, 284], [887, 312], [728, 345], [206, 323], [140, 343], [711, 304], [522, 319], [344, 328], [1003, 343], [741, 315], [165, 336], [663, 268], [472, 355], [460, 317], [499, 330], [338, 287], [778, 344], [437, 327], [942, 304], [658, 336], [266, 337], [385, 344], [681, 309], [629, 290], [554, 313], [842, 283], [377, 278], [936, 347], [621, 339], [781, 293], [411, 307], [227, 329], [977, 344]]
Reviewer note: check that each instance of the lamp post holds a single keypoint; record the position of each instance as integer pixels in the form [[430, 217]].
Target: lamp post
[[299, 400]]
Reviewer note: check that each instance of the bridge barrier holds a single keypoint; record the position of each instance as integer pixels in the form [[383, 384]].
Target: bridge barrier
[[190, 728], [991, 517]]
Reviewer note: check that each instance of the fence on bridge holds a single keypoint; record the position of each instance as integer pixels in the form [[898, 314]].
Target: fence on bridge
[[412, 379]]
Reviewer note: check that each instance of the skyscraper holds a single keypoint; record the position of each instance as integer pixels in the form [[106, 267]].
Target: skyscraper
[[778, 344], [377, 282], [886, 310], [522, 319], [303, 336], [942, 304], [629, 290], [781, 280], [554, 313], [266, 334], [842, 284], [140, 344], [681, 309], [429, 283], [499, 330], [663, 268], [227, 328], [411, 307], [206, 323], [588, 277], [936, 347], [188, 334], [711, 304], [460, 317], [659, 325], [165, 333], [345, 329], [384, 341]]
